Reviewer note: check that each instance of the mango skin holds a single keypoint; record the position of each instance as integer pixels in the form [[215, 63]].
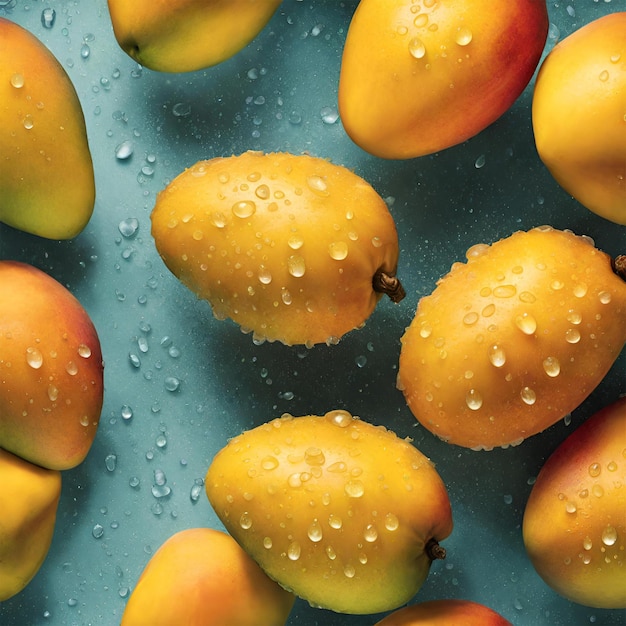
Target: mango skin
[[471, 60], [286, 246], [445, 613], [201, 577], [47, 185], [29, 500], [51, 370], [574, 525], [187, 35], [578, 115], [513, 340], [335, 509]]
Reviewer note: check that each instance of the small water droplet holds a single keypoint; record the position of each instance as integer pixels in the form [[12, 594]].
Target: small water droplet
[[587, 543], [480, 162], [97, 532], [594, 470], [48, 16], [318, 185], [334, 521], [473, 399], [463, 36], [417, 49], [171, 383], [264, 275], [497, 356], [296, 265], [85, 51], [604, 76], [245, 521], [505, 291], [84, 351], [528, 396], [354, 488], [329, 115], [315, 532], [470, 318], [110, 462], [338, 250], [570, 507], [349, 571], [128, 227], [574, 317], [551, 366], [572, 335], [34, 358], [196, 491], [17, 80], [609, 536], [124, 150], [391, 522], [293, 551], [526, 323], [244, 209], [370, 534], [604, 297]]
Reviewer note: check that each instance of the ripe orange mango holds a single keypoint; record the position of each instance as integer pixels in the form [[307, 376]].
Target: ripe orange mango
[[418, 78], [28, 500], [578, 115], [292, 248], [445, 613], [574, 524], [202, 577], [513, 340], [51, 371], [47, 183], [345, 514], [187, 35]]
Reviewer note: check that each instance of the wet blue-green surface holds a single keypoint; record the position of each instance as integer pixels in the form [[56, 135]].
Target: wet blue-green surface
[[179, 382]]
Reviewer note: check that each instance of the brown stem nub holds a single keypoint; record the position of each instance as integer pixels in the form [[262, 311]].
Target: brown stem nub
[[390, 285], [619, 266], [434, 550]]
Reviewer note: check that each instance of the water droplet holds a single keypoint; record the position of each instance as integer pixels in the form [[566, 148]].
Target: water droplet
[[527, 297], [391, 522], [604, 297], [489, 310], [196, 491], [269, 463], [110, 462], [609, 536], [526, 323], [463, 36], [572, 335], [315, 532], [84, 351], [264, 275], [318, 185], [245, 521], [421, 20], [34, 358], [48, 16], [128, 227], [551, 366], [160, 491], [497, 356], [587, 543], [417, 49], [53, 393], [504, 291], [124, 150], [349, 571], [594, 470], [338, 250], [296, 265], [354, 488], [580, 290], [570, 507], [295, 242], [473, 399], [171, 383], [574, 317], [85, 51], [370, 534], [329, 115], [528, 395], [244, 209], [334, 521], [293, 551], [480, 162], [604, 76], [470, 318], [330, 553], [17, 81], [314, 456], [97, 532]]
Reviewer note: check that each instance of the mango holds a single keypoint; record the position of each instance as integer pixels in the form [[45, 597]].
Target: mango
[[202, 577], [445, 613], [47, 185], [578, 115], [345, 514], [513, 340], [187, 35], [574, 525], [292, 248], [439, 73], [51, 370], [29, 500]]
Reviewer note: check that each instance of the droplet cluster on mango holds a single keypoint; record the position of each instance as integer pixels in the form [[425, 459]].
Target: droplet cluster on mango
[[513, 340], [292, 248], [343, 513]]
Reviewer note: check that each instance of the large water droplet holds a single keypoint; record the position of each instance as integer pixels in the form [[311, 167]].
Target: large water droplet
[[264, 275], [463, 36], [354, 488], [526, 323], [551, 366], [17, 80], [34, 358], [391, 522], [338, 250], [504, 291], [48, 16], [334, 521], [497, 356], [244, 209], [296, 265], [318, 185], [128, 227], [609, 536], [572, 335], [245, 521], [293, 551], [124, 150], [370, 534], [315, 532], [339, 418], [473, 399], [528, 395], [417, 49]]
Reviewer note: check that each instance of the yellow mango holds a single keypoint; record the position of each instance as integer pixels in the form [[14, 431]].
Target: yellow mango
[[28, 500], [345, 514], [47, 183], [445, 613], [515, 339], [574, 525], [578, 115], [292, 248], [187, 35], [201, 577]]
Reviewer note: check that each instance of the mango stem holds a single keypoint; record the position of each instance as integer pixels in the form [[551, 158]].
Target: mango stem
[[390, 285], [619, 266], [434, 550]]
